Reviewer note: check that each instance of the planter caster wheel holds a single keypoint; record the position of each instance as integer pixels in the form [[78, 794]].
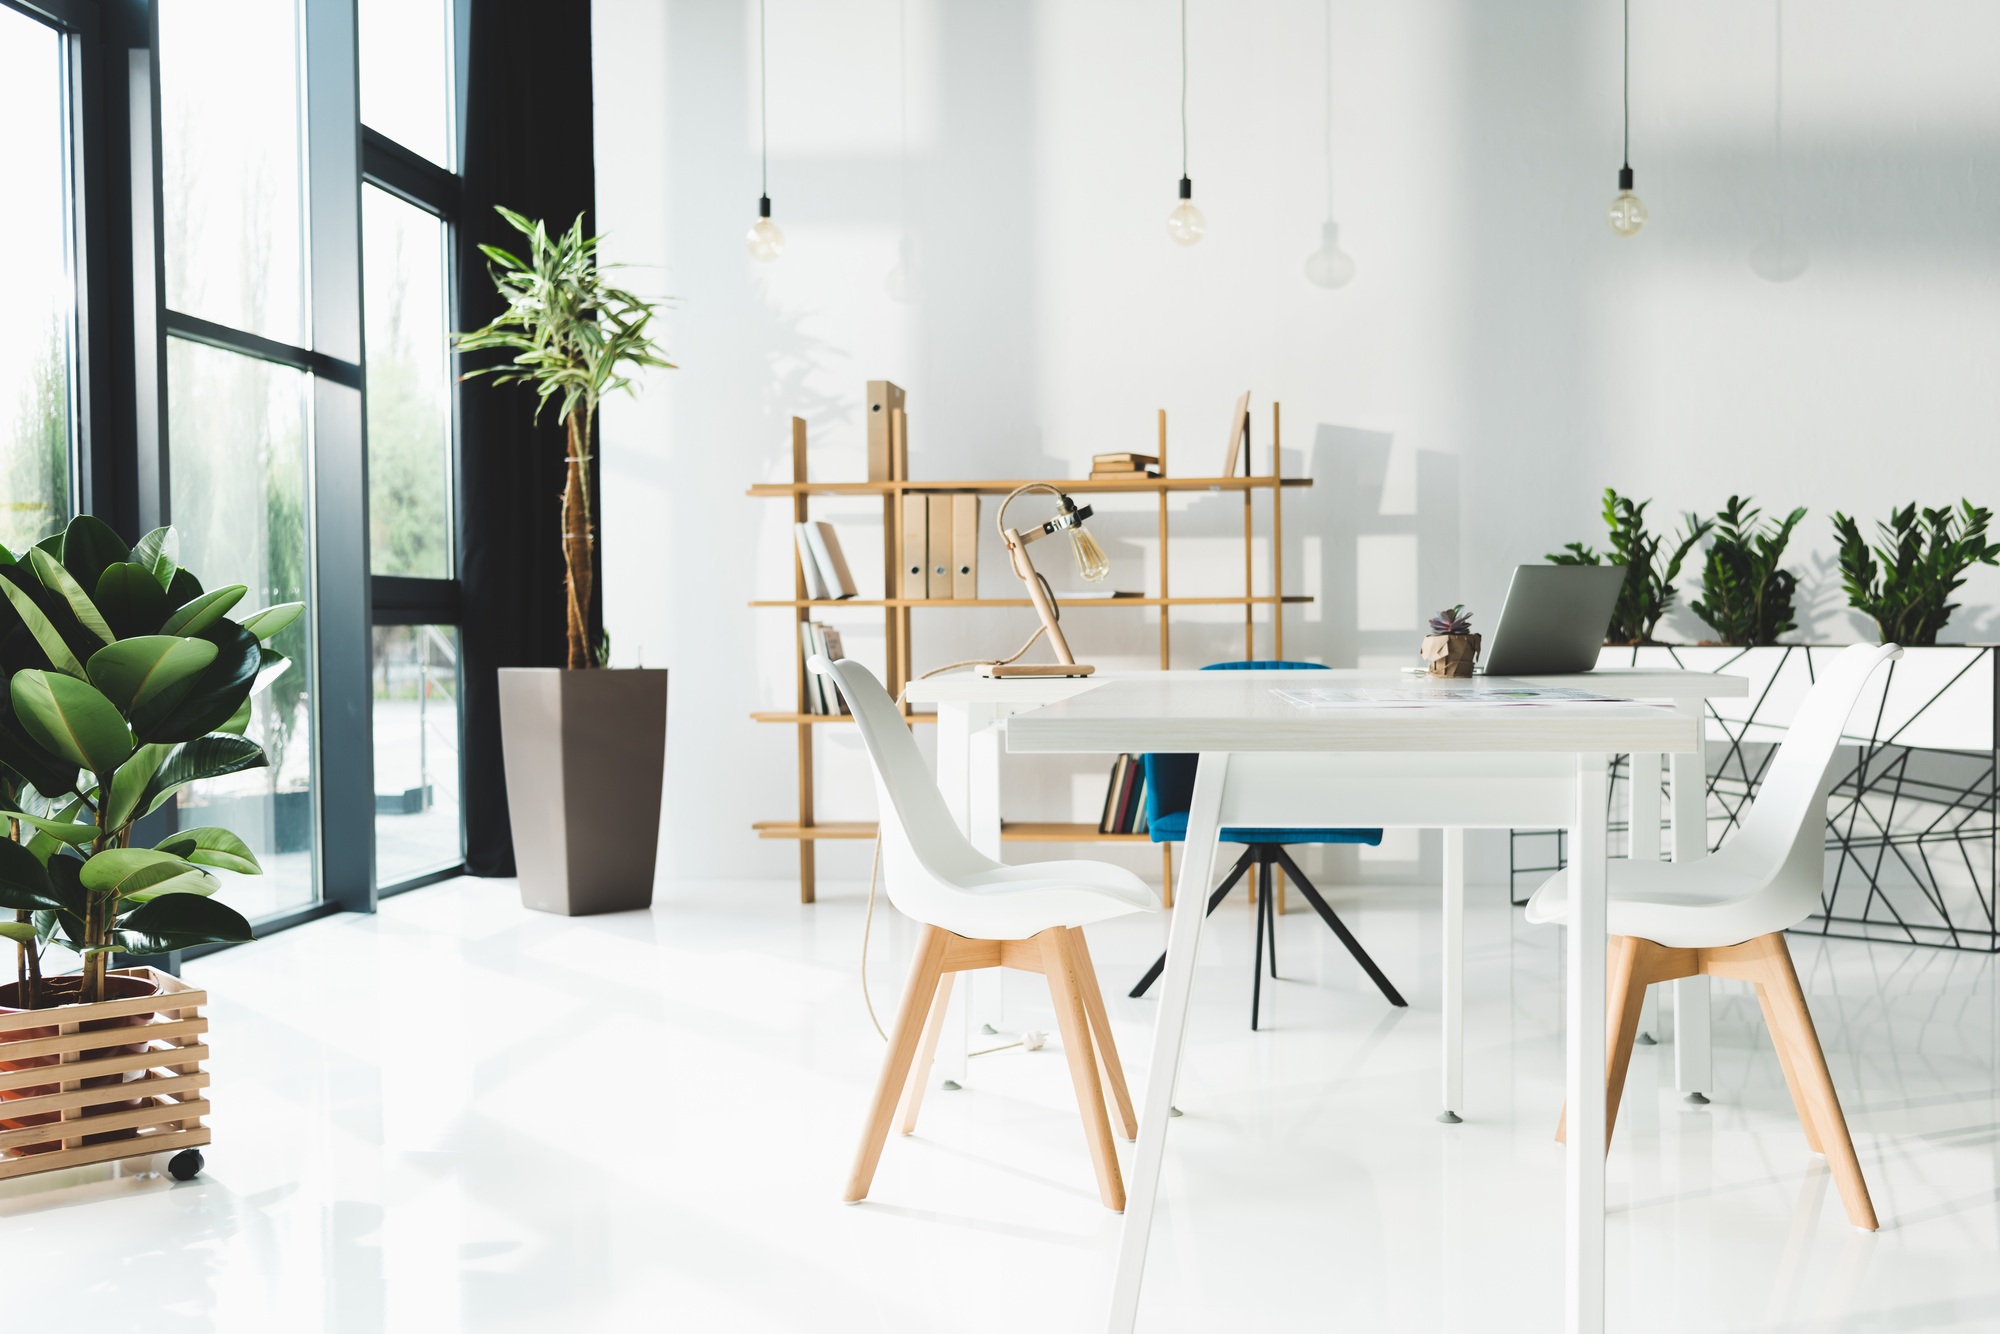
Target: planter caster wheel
[[186, 1165]]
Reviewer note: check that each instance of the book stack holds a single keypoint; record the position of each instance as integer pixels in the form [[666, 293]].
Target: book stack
[[823, 563], [1125, 798], [1111, 467], [822, 695]]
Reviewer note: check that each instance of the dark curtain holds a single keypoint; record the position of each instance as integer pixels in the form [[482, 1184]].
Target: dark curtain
[[529, 146]]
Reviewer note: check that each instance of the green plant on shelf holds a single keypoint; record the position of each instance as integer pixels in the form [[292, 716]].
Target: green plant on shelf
[[124, 681], [1745, 594], [1648, 592], [1905, 582], [574, 338]]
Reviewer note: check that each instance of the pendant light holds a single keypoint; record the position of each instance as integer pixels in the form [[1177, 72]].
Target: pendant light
[[1778, 258], [1329, 266], [1627, 214], [764, 241], [1185, 225]]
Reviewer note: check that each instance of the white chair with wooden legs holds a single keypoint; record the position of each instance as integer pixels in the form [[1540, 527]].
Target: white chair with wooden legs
[[1726, 916], [979, 913]]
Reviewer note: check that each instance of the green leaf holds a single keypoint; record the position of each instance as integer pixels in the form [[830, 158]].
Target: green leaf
[[66, 885], [131, 599], [210, 846], [142, 873], [204, 611], [63, 831], [272, 620], [21, 933], [59, 581], [160, 553], [6, 556], [178, 922], [89, 546], [237, 723], [206, 757], [48, 773], [183, 588], [24, 881], [72, 719], [148, 675], [216, 694], [43, 630], [129, 784]]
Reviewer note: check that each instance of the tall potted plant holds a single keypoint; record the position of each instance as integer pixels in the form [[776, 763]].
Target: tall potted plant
[[1745, 594], [585, 748], [1905, 583], [1648, 591]]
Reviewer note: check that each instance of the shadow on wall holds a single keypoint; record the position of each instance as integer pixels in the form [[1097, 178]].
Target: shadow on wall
[[1387, 554]]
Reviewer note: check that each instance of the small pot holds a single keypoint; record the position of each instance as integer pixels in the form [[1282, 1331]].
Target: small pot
[[1450, 655], [63, 991]]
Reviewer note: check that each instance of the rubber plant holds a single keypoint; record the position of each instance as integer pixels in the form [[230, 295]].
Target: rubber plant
[[1904, 584], [1648, 592], [124, 682], [573, 337], [1745, 594]]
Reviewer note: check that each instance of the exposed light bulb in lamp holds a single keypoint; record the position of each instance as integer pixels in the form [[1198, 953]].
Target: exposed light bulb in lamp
[[1091, 561], [1778, 258], [1185, 225], [1329, 266], [1627, 213], [764, 241], [901, 281]]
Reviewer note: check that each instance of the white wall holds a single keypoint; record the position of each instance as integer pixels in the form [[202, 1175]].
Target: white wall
[[1500, 358]]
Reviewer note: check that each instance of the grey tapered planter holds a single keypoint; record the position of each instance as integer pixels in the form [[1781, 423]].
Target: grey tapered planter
[[586, 754]]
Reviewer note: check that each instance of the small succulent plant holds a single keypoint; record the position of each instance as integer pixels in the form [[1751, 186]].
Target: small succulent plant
[[1452, 621]]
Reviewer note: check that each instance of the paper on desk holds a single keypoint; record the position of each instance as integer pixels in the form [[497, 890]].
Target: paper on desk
[[1430, 696]]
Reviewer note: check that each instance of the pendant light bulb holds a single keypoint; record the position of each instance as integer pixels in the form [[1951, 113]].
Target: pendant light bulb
[[1185, 224], [764, 241], [1329, 266], [1627, 213], [901, 281]]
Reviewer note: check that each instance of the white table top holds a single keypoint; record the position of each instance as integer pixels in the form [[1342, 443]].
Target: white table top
[[1238, 712], [1625, 682]]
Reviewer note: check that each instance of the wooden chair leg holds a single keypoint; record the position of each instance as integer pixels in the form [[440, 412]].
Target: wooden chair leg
[[1624, 999], [1077, 1048], [920, 1068], [1100, 1030], [925, 970], [1808, 1120], [1792, 1028]]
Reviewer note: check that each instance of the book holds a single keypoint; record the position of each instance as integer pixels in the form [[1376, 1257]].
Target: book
[[816, 588], [1105, 821], [1108, 462], [809, 644], [834, 575], [965, 546], [1093, 594], [884, 399], [1120, 474], [829, 639], [1239, 435]]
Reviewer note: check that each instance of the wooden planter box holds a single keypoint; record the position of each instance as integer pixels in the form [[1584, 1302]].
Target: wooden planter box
[[156, 1105]]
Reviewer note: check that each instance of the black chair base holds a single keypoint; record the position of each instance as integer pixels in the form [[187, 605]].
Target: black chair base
[[1263, 856]]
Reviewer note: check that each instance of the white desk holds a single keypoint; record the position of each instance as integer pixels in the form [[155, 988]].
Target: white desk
[[1262, 761], [973, 710]]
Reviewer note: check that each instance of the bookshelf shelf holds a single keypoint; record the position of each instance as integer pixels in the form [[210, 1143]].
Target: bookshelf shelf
[[897, 621]]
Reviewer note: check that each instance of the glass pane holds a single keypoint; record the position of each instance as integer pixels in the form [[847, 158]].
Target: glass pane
[[416, 751], [409, 388], [406, 62], [230, 158], [237, 439], [35, 336]]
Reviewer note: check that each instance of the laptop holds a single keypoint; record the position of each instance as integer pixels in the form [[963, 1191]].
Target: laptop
[[1554, 620]]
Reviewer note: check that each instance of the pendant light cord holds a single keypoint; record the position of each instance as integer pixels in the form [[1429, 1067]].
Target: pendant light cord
[[1184, 134], [1628, 85], [763, 109]]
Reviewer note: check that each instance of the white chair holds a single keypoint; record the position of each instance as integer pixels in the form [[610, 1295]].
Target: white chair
[[978, 913], [1726, 915]]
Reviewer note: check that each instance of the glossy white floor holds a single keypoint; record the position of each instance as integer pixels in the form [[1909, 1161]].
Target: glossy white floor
[[461, 1116]]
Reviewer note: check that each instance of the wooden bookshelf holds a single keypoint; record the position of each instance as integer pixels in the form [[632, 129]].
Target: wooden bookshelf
[[898, 621]]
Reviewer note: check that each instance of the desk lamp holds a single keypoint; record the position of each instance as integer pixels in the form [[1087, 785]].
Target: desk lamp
[[1090, 563]]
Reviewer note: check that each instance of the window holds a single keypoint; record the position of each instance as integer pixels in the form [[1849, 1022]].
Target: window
[[416, 751], [409, 388], [406, 84], [36, 413], [238, 431]]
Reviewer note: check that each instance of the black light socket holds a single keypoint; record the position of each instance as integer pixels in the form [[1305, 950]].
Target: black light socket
[[1187, 188], [1624, 178], [764, 203]]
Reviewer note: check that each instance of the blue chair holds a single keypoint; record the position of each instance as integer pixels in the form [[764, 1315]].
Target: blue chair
[[1169, 794]]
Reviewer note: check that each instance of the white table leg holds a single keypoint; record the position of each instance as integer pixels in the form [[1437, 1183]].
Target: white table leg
[[1644, 827], [968, 774], [1453, 999], [1142, 1185], [1583, 1213], [1693, 1075]]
